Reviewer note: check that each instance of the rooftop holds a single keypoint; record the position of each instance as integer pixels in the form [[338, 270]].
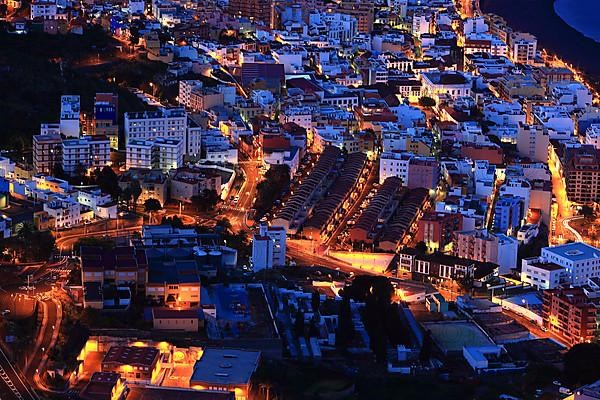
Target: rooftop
[[225, 367], [574, 251], [131, 355]]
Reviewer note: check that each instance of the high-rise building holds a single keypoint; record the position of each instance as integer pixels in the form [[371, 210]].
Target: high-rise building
[[255, 10], [163, 154], [105, 121], [47, 152], [269, 247], [435, 229], [569, 314], [523, 47], [362, 10], [70, 109], [162, 123], [581, 170], [90, 152]]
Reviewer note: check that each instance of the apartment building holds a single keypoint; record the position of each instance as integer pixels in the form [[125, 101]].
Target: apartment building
[[162, 123], [533, 142], [523, 48], [539, 273], [188, 182], [581, 261], [159, 153], [87, 153], [47, 153], [70, 109], [123, 265], [569, 314], [153, 183], [105, 121], [362, 10], [484, 246], [581, 170], [436, 230], [44, 9], [65, 211], [255, 10]]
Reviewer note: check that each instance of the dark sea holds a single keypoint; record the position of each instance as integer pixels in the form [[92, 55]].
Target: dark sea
[[572, 31], [583, 15]]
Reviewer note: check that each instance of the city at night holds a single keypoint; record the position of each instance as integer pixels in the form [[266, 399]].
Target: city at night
[[299, 199]]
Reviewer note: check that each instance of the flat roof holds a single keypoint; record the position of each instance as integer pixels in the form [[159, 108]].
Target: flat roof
[[161, 393], [452, 336], [131, 355], [575, 251], [225, 367]]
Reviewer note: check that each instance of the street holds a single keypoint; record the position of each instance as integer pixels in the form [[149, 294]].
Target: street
[[12, 384]]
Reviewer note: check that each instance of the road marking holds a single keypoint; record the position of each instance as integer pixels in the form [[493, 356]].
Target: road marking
[[9, 383]]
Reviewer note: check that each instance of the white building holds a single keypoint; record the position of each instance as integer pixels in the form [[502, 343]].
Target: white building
[[162, 123], [394, 164], [538, 272], [262, 252], [101, 204], [290, 57], [504, 113], [136, 7], [474, 25], [592, 135], [138, 154], [277, 234], [555, 118], [533, 142], [449, 83], [167, 153], [70, 108], [581, 261], [523, 48], [7, 168], [65, 211], [217, 148], [164, 154], [87, 153], [185, 91], [572, 94]]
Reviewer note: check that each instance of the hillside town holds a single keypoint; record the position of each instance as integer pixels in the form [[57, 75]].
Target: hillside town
[[294, 199]]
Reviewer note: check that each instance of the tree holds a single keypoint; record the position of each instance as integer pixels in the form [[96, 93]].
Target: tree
[[206, 200], [421, 247], [126, 196], [152, 205], [108, 181], [80, 170], [31, 244], [58, 171], [224, 225], [277, 179], [426, 102], [587, 211], [136, 192], [582, 364], [315, 301]]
